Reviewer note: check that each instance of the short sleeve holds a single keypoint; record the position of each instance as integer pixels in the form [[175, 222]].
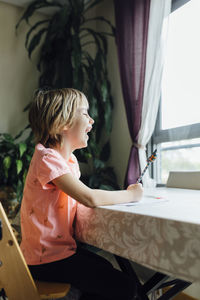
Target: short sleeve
[[51, 166]]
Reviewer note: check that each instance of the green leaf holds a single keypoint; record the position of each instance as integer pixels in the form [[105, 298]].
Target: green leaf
[[94, 181], [98, 164], [7, 137], [94, 34], [93, 108], [93, 146], [32, 29], [35, 41], [6, 164], [19, 190], [19, 165], [104, 20], [99, 39], [104, 91], [22, 148], [28, 157], [89, 6], [34, 6], [108, 117], [24, 175], [80, 155], [105, 153]]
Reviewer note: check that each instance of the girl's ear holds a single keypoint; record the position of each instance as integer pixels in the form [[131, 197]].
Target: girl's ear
[[66, 127]]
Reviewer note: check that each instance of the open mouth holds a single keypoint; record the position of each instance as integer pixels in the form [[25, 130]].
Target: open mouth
[[88, 129]]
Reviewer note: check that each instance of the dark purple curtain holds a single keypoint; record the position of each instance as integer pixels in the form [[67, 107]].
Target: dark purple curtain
[[132, 17]]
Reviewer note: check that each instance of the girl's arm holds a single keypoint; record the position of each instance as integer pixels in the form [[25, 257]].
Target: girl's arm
[[95, 197]]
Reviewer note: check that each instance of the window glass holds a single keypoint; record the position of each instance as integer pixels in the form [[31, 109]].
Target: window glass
[[181, 77], [177, 133], [179, 156]]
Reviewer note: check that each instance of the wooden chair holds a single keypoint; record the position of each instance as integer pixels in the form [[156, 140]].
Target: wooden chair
[[15, 277]]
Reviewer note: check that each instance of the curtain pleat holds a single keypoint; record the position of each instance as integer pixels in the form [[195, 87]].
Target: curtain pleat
[[132, 18]]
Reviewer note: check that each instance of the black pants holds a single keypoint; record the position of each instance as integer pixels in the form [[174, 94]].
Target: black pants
[[93, 275]]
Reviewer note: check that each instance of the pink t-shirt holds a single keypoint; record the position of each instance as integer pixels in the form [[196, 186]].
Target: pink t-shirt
[[47, 213]]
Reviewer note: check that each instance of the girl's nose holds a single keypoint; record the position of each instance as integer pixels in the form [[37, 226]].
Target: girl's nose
[[91, 121]]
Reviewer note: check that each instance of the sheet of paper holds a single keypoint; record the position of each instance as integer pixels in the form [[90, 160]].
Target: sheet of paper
[[145, 201]]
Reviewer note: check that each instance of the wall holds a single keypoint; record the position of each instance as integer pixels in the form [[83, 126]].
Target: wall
[[18, 74], [120, 138]]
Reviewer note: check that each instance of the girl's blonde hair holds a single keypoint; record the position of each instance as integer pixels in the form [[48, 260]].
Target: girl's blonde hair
[[50, 111]]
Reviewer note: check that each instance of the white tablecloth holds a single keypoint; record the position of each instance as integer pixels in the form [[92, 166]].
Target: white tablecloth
[[161, 232]]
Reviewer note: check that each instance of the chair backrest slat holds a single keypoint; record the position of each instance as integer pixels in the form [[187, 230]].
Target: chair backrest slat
[[15, 276]]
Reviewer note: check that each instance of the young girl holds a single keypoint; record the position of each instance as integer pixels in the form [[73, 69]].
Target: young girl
[[61, 123]]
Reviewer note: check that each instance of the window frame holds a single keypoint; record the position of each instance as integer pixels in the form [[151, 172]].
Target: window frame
[[159, 136]]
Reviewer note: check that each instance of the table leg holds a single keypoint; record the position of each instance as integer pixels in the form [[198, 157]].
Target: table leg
[[156, 282], [176, 289], [126, 267]]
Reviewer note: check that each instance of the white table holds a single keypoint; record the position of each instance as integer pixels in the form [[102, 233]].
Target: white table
[[161, 232]]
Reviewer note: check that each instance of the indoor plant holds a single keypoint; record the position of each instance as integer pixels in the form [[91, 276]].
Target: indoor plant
[[15, 157], [73, 54]]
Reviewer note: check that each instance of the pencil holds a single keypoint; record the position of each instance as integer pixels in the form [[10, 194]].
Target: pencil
[[149, 160]]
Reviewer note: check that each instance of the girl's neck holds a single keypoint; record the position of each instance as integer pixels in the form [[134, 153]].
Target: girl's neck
[[64, 150]]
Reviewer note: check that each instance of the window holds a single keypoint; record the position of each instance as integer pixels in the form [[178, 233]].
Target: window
[[177, 133]]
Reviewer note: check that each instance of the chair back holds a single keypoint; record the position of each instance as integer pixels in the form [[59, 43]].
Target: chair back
[[15, 277]]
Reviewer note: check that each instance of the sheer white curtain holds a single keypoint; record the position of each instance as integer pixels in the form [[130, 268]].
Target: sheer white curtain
[[156, 44]]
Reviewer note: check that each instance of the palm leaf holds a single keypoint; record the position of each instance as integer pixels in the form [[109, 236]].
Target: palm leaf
[[35, 41], [35, 5], [102, 19], [88, 6], [104, 44], [98, 38], [32, 29], [107, 117]]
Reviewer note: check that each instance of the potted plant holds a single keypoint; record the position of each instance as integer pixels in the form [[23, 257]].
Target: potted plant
[[73, 54], [15, 157]]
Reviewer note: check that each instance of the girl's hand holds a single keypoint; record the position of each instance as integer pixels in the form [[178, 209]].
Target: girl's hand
[[137, 191]]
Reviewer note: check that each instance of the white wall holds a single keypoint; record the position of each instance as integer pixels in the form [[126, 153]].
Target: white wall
[[18, 74]]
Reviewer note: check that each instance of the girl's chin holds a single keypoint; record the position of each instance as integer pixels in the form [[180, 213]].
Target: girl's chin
[[87, 138], [84, 143]]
